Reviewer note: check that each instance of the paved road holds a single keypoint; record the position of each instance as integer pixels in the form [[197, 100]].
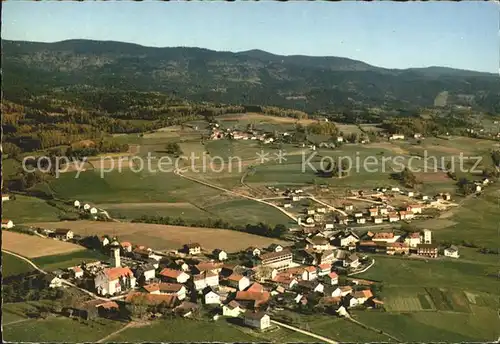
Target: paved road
[[63, 280], [307, 333]]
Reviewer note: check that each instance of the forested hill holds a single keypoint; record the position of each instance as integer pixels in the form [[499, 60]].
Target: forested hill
[[251, 77]]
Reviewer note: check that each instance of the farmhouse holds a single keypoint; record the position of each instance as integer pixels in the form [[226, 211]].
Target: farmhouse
[[348, 207], [324, 269], [388, 237], [415, 208], [237, 281], [347, 239], [352, 261], [413, 239], [317, 242], [259, 320], [361, 220], [167, 288], [193, 248], [76, 272], [393, 217], [205, 279], [232, 309], [398, 248], [220, 254], [397, 137], [214, 267], [279, 260], [174, 275], [52, 281], [254, 251], [275, 248], [342, 291], [309, 273], [373, 211], [451, 251], [5, 197], [114, 280], [210, 297], [332, 278], [378, 219], [427, 250], [63, 234], [362, 296], [7, 223], [126, 246]]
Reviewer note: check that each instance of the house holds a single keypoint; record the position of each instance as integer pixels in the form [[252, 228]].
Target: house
[[104, 241], [279, 260], [146, 270], [295, 198], [348, 207], [114, 280], [141, 252], [393, 217], [340, 139], [406, 215], [332, 278], [388, 237], [63, 234], [205, 279], [327, 256], [220, 254], [5, 197], [361, 220], [52, 281], [398, 248], [352, 261], [147, 299], [174, 275], [330, 301], [415, 208], [305, 257], [211, 266], [342, 291], [193, 248], [347, 239], [275, 248], [311, 211], [427, 250], [210, 297], [309, 273], [413, 239], [358, 214], [378, 219], [254, 251], [285, 280], [259, 320], [256, 287], [362, 296], [342, 219], [237, 281], [324, 269], [126, 246], [321, 210], [317, 242], [252, 299], [313, 286], [373, 211], [410, 194], [176, 289], [7, 223], [451, 251], [76, 272], [92, 309], [232, 309]]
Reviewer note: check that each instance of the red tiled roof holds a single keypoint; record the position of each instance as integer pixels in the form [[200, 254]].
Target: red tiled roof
[[333, 275], [235, 277], [115, 273], [205, 266], [363, 293], [325, 266], [310, 269], [252, 296], [383, 235], [256, 287], [171, 273], [125, 244], [152, 299], [330, 300], [109, 305]]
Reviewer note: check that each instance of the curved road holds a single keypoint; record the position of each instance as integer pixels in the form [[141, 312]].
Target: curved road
[[63, 280], [307, 333]]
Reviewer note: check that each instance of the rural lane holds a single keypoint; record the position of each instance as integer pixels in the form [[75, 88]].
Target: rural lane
[[307, 333], [177, 172], [63, 280]]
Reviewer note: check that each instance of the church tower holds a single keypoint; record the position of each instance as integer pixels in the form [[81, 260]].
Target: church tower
[[115, 254]]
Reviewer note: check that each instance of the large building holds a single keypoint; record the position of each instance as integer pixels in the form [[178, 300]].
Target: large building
[[114, 280], [277, 260], [427, 250]]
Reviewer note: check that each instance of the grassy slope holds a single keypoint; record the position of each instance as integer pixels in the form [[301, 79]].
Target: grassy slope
[[61, 261], [29, 209], [60, 329], [12, 265]]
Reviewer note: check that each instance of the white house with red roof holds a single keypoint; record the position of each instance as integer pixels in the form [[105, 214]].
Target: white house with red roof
[[76, 271], [205, 279], [309, 273], [114, 280], [415, 208], [7, 223], [126, 246], [174, 275], [332, 278], [237, 281], [324, 269]]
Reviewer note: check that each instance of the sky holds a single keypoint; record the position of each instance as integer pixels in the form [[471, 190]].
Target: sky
[[461, 35]]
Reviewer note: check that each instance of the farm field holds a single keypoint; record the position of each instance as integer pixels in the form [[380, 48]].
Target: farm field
[[163, 237], [29, 209], [187, 330], [403, 272], [60, 329], [32, 246], [11, 265], [184, 210], [413, 327], [62, 261]]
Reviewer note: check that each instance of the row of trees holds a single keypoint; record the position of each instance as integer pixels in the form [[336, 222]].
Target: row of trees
[[261, 229]]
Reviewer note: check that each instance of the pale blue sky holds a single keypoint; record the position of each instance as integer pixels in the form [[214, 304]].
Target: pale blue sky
[[396, 35]]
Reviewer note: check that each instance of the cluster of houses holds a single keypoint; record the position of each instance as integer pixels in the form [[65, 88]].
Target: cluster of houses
[[217, 133]]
